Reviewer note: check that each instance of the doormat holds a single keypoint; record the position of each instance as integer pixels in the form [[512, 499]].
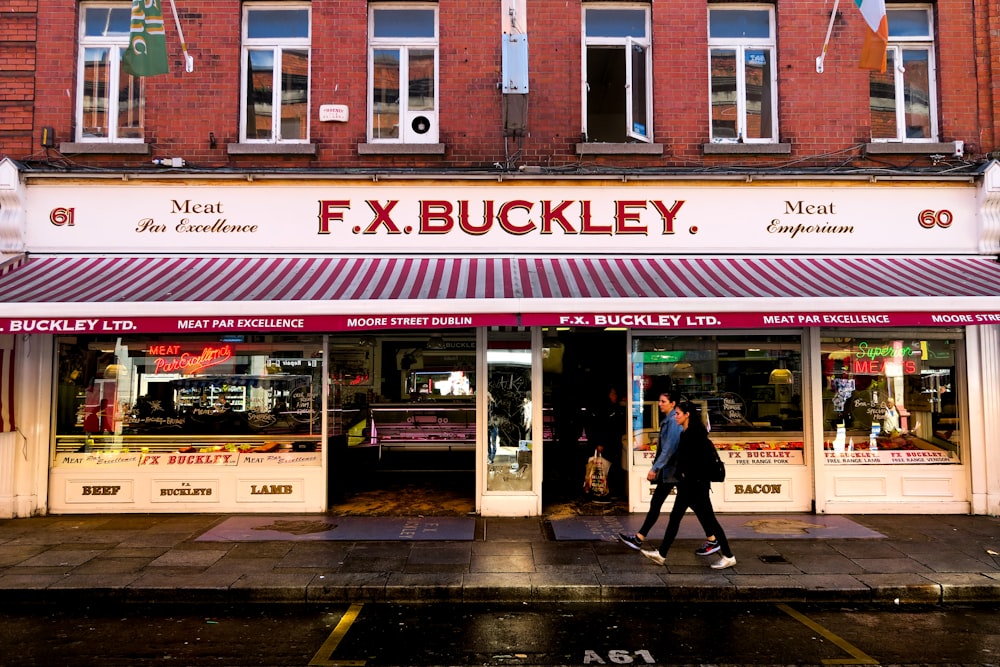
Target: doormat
[[339, 529], [737, 527]]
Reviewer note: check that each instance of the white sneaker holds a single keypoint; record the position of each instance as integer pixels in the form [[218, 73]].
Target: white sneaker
[[654, 555], [723, 562]]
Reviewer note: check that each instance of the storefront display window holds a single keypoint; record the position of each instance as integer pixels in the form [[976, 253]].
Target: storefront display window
[[509, 420], [126, 399], [890, 399], [749, 389]]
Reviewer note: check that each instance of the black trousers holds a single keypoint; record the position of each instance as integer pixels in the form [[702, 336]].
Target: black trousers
[[694, 496], [660, 494]]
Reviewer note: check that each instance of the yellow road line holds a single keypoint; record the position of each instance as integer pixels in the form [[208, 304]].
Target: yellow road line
[[324, 656], [859, 657]]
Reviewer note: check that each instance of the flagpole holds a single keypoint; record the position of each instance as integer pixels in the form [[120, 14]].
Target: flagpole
[[819, 59], [188, 60]]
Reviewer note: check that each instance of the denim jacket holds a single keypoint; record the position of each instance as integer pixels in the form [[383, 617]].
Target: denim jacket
[[666, 446]]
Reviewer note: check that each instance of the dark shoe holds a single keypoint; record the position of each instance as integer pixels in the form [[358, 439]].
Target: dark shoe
[[708, 548], [630, 541]]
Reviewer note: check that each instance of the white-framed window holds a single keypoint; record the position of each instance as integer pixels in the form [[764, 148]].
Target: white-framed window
[[743, 84], [111, 104], [275, 90], [617, 73], [903, 101], [403, 73]]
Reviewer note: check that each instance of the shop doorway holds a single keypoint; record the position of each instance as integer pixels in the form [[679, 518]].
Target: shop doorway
[[403, 410], [581, 368]]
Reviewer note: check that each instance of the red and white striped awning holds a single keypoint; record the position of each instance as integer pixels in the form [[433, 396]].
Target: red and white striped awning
[[328, 293]]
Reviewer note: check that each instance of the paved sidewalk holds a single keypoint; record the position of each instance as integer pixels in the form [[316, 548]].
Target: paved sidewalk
[[157, 558]]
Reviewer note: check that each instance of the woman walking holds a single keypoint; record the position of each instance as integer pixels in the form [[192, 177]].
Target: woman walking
[[693, 463]]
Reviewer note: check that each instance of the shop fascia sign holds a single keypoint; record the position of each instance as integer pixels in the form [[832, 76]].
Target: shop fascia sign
[[662, 218]]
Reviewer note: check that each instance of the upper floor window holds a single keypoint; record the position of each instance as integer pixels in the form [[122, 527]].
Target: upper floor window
[[743, 84], [275, 73], [617, 74], [403, 73], [903, 104], [111, 103]]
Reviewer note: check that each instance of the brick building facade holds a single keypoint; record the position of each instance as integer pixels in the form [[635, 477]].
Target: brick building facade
[[342, 227], [823, 120]]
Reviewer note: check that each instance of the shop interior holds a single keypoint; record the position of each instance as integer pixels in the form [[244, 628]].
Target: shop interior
[[409, 421]]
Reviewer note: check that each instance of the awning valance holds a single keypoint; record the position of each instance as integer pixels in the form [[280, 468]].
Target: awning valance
[[55, 294]]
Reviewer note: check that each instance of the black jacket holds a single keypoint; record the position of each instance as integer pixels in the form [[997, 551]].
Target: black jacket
[[695, 457]]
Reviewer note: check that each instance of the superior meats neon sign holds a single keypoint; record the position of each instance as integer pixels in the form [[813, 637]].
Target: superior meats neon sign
[[874, 359]]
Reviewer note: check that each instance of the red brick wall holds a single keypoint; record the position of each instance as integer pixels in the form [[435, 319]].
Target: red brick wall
[[17, 82], [824, 117]]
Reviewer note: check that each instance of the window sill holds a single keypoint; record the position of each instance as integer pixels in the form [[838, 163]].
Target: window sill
[[94, 147], [745, 149], [400, 149], [601, 148], [271, 149], [912, 148]]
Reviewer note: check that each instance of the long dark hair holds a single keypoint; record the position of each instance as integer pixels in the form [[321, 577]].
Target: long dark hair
[[695, 424], [670, 395]]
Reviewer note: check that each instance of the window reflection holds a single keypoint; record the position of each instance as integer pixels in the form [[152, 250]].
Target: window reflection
[[509, 416]]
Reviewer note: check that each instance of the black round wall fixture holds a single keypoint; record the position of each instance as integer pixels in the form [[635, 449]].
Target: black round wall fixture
[[421, 124]]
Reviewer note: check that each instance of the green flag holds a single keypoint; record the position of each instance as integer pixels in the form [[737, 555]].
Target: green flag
[[147, 46]]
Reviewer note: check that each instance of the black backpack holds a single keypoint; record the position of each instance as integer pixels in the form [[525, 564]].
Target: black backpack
[[716, 468]]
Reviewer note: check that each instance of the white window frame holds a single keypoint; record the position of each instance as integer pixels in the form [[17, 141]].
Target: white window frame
[[741, 45], [404, 45], [627, 43], [277, 45], [116, 44], [897, 45]]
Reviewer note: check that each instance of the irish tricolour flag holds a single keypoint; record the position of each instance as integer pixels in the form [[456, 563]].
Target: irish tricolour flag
[[873, 51]]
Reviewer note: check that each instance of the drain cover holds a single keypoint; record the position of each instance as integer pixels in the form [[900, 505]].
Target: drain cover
[[773, 559]]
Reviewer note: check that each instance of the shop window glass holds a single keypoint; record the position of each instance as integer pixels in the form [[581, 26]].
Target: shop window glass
[[186, 395], [111, 103], [892, 398], [509, 419], [749, 389]]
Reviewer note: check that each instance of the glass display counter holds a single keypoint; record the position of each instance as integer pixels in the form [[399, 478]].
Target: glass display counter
[[446, 426]]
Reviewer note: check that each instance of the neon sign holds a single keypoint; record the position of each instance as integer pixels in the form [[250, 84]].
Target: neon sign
[[871, 359], [189, 364]]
